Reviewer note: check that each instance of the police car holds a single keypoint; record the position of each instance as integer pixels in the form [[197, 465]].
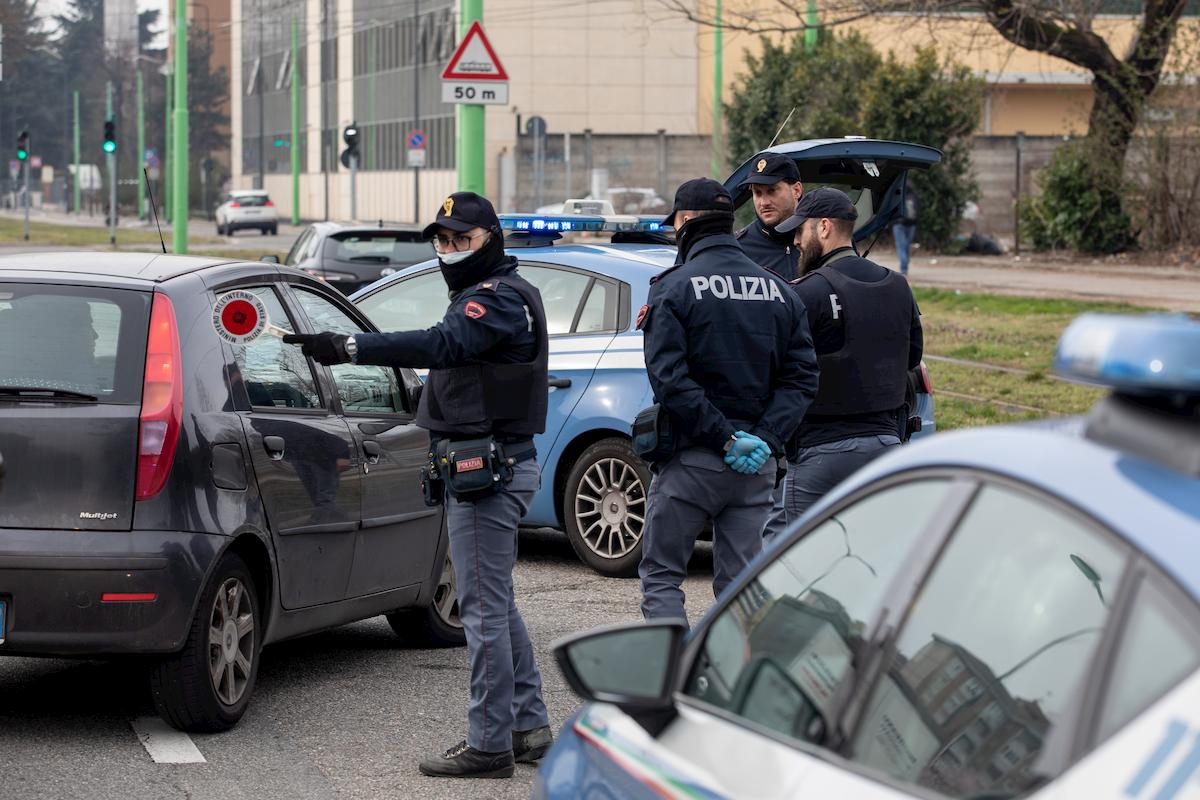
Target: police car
[[593, 486], [1004, 612]]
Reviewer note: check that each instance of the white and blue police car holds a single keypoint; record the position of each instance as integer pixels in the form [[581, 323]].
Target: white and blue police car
[[593, 486], [997, 613]]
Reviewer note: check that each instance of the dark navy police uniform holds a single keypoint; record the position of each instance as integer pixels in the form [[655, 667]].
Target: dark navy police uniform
[[769, 249], [727, 348]]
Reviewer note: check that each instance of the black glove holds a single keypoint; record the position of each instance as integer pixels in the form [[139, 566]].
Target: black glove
[[326, 348]]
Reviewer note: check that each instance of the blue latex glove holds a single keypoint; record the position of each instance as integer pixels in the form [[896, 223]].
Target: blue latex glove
[[747, 454]]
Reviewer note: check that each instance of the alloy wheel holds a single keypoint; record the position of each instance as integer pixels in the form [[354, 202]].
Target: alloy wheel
[[610, 508], [231, 641]]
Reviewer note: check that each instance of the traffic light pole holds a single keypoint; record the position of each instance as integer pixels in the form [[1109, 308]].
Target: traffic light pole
[[25, 164], [167, 161], [78, 174], [295, 122], [470, 117], [354, 187], [141, 145], [179, 186], [112, 175]]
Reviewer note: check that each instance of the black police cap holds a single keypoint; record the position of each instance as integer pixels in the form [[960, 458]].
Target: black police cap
[[769, 168], [699, 194], [463, 211], [823, 203]]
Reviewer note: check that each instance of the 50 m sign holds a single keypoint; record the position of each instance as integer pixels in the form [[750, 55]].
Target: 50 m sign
[[476, 92]]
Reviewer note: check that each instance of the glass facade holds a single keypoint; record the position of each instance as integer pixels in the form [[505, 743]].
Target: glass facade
[[267, 70]]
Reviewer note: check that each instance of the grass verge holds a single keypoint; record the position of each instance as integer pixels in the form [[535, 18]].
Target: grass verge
[[43, 233]]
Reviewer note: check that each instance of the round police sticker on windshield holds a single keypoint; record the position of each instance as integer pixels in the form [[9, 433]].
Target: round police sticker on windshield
[[239, 317]]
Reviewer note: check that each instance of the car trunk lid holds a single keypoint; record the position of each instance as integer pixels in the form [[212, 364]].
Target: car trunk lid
[[71, 367]]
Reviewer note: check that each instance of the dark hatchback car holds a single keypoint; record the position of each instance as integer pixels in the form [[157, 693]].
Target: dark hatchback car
[[351, 256], [175, 481]]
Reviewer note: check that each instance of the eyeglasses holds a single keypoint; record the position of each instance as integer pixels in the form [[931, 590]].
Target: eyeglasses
[[442, 244]]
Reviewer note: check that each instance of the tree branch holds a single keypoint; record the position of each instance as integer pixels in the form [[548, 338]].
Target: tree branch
[[1040, 33]]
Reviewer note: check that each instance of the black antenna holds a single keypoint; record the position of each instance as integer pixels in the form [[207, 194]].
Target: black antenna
[[154, 208]]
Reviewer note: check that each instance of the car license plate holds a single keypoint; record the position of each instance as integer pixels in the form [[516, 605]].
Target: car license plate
[[3, 620]]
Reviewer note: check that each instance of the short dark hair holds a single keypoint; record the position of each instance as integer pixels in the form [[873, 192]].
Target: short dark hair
[[842, 227]]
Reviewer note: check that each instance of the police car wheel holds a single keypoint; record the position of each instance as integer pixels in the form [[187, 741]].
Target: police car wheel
[[439, 625], [206, 686], [604, 503]]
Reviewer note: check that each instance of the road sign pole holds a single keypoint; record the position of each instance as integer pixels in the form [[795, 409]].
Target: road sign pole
[[141, 145], [417, 116], [167, 161], [75, 140], [112, 174], [180, 184], [295, 122], [471, 125]]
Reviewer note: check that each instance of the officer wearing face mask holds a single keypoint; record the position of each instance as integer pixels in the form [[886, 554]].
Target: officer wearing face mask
[[484, 401], [774, 183], [731, 362]]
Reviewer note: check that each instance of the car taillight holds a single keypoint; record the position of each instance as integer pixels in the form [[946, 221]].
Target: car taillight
[[268, 203], [928, 384], [162, 400], [235, 204]]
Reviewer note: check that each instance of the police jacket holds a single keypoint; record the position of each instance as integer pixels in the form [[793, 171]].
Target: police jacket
[[775, 251], [488, 360], [727, 347], [867, 331]]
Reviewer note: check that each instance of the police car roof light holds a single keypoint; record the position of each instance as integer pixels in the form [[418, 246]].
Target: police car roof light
[[1151, 355], [571, 223]]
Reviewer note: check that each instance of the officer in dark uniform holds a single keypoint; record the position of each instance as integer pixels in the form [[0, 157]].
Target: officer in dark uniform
[[867, 330], [731, 361], [487, 384], [774, 182]]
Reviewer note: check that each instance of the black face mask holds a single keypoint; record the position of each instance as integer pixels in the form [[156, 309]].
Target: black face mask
[[479, 265], [701, 227]]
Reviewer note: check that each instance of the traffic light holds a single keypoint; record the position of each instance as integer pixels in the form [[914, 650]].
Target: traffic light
[[350, 137], [110, 136], [23, 146]]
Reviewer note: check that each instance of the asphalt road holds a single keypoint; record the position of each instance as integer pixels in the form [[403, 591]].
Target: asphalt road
[[343, 714]]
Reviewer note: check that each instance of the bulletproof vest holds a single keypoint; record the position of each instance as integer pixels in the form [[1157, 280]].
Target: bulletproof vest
[[870, 372], [488, 398]]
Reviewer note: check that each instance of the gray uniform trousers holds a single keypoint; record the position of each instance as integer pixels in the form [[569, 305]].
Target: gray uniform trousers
[[777, 520], [687, 490], [506, 687], [819, 468]]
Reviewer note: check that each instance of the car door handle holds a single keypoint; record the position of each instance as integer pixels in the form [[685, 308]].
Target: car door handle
[[560, 383], [274, 446], [373, 451]]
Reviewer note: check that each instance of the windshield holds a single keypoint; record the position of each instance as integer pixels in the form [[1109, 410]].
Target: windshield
[[384, 247], [95, 347], [250, 200]]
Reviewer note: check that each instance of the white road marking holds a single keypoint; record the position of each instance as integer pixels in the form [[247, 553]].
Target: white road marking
[[165, 744]]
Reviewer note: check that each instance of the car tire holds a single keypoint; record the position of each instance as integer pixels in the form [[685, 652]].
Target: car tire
[[220, 229], [274, 230], [604, 514], [264, 231], [186, 693], [438, 625]]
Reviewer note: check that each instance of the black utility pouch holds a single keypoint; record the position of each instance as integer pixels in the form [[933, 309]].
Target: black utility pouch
[[653, 437], [432, 485], [471, 468]]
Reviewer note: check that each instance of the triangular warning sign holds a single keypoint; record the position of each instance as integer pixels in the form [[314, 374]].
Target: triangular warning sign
[[475, 60]]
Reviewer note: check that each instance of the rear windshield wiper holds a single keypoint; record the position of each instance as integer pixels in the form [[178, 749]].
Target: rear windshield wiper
[[376, 259], [43, 393]]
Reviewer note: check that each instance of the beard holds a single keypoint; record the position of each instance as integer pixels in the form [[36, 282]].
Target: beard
[[810, 256]]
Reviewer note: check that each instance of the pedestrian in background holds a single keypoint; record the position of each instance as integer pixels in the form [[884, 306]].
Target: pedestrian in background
[[484, 401], [904, 230], [867, 331], [731, 364]]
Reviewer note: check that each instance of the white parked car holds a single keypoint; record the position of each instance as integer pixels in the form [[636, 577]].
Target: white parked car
[[242, 209]]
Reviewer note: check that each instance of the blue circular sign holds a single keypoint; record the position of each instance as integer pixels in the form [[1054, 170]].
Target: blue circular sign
[[416, 140]]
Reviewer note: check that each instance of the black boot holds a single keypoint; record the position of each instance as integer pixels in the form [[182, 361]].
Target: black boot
[[464, 761], [529, 746]]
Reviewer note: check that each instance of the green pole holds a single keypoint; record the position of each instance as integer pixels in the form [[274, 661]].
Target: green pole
[[166, 159], [718, 88], [179, 187], [295, 122], [112, 173], [810, 26], [75, 186], [141, 144], [471, 128]]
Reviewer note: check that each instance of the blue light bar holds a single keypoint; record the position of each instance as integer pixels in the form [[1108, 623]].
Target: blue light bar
[[1156, 354], [572, 223]]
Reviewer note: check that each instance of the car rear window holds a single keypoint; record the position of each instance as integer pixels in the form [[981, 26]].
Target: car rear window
[[384, 247], [77, 339], [251, 200]]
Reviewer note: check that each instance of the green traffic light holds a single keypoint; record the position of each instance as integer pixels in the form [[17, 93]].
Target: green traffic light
[[22, 154], [110, 147]]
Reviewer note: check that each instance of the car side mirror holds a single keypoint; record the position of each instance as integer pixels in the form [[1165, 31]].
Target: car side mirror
[[270, 259], [633, 666]]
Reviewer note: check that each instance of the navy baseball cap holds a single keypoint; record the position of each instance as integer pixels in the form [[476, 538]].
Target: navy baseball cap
[[463, 211], [823, 203], [699, 194], [769, 168]]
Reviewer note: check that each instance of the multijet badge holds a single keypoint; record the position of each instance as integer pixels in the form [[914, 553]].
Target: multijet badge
[[239, 317]]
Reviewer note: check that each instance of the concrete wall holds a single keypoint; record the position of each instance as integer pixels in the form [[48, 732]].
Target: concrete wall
[[994, 162]]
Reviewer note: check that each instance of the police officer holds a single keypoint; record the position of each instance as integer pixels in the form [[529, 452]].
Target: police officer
[[867, 331], [731, 361], [774, 182], [488, 378]]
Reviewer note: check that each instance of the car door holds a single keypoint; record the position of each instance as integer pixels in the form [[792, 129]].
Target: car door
[[399, 537], [304, 457]]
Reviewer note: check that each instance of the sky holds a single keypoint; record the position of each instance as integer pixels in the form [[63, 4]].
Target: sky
[[49, 8]]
